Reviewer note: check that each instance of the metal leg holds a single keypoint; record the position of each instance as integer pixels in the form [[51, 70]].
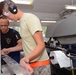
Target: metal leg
[[72, 68]]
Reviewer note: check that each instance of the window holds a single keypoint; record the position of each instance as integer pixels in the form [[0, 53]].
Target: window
[[44, 28]]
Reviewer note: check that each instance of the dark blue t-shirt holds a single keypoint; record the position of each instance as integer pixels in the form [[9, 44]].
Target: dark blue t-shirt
[[10, 40]]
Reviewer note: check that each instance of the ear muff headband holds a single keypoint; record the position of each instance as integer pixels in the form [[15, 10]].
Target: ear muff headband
[[11, 6]]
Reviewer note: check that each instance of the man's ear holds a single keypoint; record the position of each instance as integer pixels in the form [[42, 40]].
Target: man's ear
[[7, 21]]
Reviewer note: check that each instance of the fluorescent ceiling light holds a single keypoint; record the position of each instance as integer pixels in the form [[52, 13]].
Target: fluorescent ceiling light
[[41, 21], [48, 21], [73, 7], [27, 2]]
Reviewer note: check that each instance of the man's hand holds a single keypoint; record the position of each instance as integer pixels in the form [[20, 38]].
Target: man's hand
[[24, 62], [5, 51]]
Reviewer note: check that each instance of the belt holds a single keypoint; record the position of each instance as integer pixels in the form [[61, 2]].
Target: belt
[[40, 63]]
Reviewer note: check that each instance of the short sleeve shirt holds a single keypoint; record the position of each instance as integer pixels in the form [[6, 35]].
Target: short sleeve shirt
[[10, 40]]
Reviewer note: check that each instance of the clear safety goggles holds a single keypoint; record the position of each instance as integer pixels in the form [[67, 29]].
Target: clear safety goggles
[[6, 14]]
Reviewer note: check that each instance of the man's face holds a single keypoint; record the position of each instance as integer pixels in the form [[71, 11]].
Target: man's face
[[4, 25]]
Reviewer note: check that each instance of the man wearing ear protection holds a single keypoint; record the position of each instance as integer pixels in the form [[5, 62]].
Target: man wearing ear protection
[[36, 59]]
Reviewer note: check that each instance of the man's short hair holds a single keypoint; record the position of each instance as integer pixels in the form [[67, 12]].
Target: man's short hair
[[5, 18], [2, 7]]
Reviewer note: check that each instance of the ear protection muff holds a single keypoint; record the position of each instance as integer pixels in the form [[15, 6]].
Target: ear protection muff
[[13, 9], [11, 6]]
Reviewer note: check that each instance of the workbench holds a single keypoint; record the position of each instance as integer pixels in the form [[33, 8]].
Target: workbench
[[10, 67]]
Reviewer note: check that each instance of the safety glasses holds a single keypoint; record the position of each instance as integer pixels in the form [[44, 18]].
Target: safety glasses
[[6, 14]]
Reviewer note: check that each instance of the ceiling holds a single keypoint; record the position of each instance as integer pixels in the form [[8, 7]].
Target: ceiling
[[47, 9], [48, 6]]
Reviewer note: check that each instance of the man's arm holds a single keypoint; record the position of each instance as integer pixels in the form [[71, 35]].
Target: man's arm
[[39, 48], [18, 47]]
